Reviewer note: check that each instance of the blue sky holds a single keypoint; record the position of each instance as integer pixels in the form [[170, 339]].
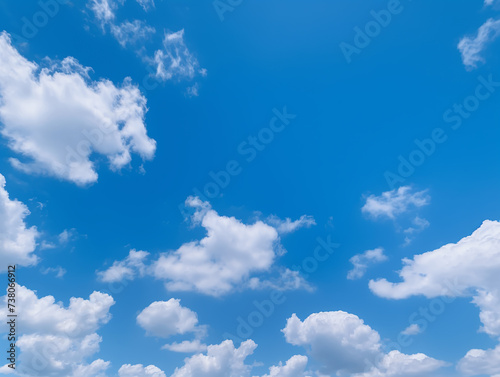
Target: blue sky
[[171, 169]]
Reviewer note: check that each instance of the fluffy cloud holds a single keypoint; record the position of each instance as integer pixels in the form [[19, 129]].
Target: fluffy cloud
[[413, 329], [470, 267], [344, 345], [166, 318], [471, 47], [361, 262], [225, 258], [57, 118], [478, 362], [220, 360], [127, 269], [294, 367], [288, 225], [138, 370], [175, 61], [395, 202], [65, 337], [17, 241]]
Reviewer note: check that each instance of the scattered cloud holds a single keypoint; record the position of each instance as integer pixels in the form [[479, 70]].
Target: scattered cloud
[[392, 203], [286, 281], [471, 47], [130, 33], [57, 119], [345, 345], [361, 262], [65, 336], [289, 226], [220, 360], [127, 269], [58, 271], [186, 346], [469, 267], [174, 61], [413, 329], [17, 240], [223, 259], [138, 370], [164, 319]]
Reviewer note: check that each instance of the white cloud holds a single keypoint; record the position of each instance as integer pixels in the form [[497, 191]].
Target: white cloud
[[395, 202], [413, 329], [225, 258], [166, 318], [104, 10], [56, 118], [294, 367], [288, 280], [418, 225], [289, 226], [175, 61], [479, 362], [471, 47], [146, 4], [127, 269], [58, 271], [186, 346], [221, 360], [66, 337], [361, 262], [469, 267], [344, 345], [397, 364], [138, 370], [67, 235], [17, 241], [129, 33]]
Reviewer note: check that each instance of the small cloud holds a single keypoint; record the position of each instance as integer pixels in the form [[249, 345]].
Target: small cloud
[[413, 329], [471, 47], [67, 235], [186, 346], [288, 226], [392, 203], [288, 280], [58, 271], [361, 262]]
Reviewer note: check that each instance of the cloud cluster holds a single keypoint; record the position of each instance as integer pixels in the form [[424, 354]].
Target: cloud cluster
[[346, 346], [17, 240], [57, 341], [59, 120], [470, 267], [395, 202]]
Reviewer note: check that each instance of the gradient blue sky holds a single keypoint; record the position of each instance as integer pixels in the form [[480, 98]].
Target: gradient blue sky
[[353, 122]]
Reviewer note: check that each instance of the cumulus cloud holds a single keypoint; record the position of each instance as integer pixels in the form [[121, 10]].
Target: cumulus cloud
[[133, 265], [65, 336], [174, 61], [471, 47], [345, 345], [166, 318], [223, 259], [220, 360], [17, 240], [138, 370], [294, 367], [57, 118], [289, 226], [468, 268], [479, 362], [395, 202], [361, 262], [286, 281]]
